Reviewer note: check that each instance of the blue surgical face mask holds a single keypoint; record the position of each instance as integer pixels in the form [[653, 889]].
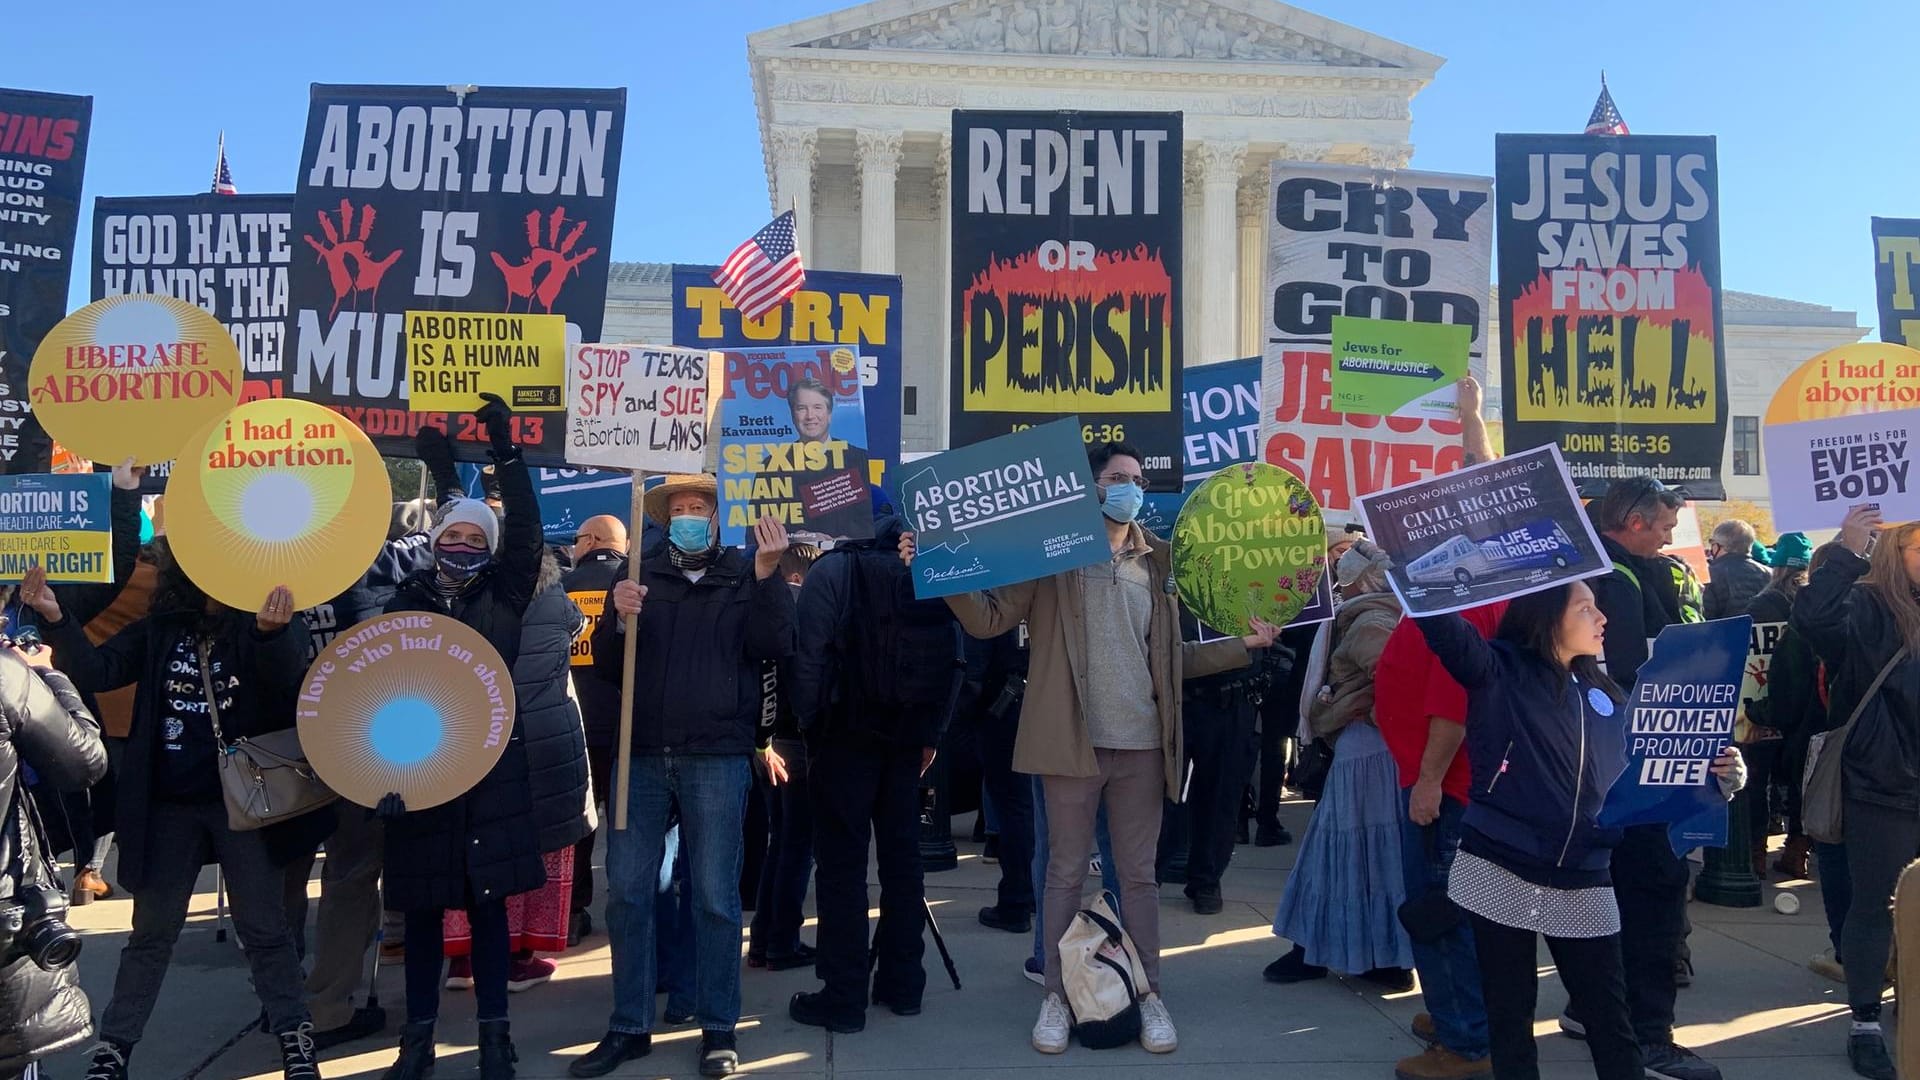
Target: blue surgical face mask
[[691, 533], [1123, 502]]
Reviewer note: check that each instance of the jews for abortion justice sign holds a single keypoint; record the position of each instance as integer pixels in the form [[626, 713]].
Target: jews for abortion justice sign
[[1501, 529], [1012, 509], [1344, 240], [1681, 716], [496, 200], [1896, 252], [43, 157], [1066, 278], [1610, 305]]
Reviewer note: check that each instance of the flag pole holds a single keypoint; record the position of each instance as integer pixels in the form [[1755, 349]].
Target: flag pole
[[219, 156], [623, 776]]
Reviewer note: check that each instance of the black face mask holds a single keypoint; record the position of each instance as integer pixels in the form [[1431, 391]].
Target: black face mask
[[461, 563]]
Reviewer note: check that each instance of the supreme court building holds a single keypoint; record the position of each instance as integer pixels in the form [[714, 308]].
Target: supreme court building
[[855, 116]]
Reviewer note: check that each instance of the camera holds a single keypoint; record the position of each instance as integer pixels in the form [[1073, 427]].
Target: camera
[[34, 923], [1011, 692]]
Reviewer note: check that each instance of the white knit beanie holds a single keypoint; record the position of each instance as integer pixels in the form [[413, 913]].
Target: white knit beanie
[[470, 512]]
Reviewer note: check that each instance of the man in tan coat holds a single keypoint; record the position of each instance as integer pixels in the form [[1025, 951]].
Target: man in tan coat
[[1101, 721]]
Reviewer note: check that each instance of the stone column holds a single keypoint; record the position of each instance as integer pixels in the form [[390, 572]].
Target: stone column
[[1252, 203], [879, 156], [794, 149], [935, 396], [1193, 256], [1219, 183]]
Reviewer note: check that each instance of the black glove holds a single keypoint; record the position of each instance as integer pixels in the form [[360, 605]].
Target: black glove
[[390, 808], [497, 419], [436, 453]]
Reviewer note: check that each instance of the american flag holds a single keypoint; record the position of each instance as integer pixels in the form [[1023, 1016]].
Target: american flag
[[764, 271], [1606, 117], [223, 176]]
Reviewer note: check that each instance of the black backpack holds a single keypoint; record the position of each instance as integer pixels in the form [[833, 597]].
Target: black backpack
[[900, 663]]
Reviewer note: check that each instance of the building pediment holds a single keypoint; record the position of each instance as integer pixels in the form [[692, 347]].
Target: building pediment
[[1242, 32]]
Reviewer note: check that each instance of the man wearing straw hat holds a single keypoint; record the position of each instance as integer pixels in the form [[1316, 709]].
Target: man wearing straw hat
[[708, 619]]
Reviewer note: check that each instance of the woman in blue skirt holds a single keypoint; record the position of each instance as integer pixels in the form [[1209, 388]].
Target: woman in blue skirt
[[1340, 907]]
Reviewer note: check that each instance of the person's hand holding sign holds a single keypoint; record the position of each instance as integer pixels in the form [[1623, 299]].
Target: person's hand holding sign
[[770, 541], [38, 595], [907, 548], [126, 476], [277, 612], [1730, 769], [1262, 636], [1858, 529], [627, 598]]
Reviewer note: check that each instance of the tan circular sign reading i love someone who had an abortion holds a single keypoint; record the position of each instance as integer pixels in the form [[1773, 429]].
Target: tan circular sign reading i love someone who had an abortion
[[413, 704], [133, 377]]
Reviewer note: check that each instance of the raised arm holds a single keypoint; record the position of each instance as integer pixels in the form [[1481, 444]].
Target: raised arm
[[1825, 612], [1460, 649]]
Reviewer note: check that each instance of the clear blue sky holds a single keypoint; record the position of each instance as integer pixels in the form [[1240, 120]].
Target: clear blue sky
[[1812, 103]]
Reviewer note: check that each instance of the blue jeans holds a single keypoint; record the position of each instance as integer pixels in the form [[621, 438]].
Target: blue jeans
[[1449, 969], [712, 793], [1109, 874]]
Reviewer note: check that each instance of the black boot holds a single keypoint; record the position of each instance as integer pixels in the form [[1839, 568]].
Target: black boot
[[298, 1059], [109, 1061], [497, 1057], [416, 1053]]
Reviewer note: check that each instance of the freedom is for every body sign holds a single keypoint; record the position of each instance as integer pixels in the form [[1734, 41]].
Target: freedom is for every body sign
[[1680, 717], [60, 523], [1012, 509], [1497, 530], [1345, 240], [485, 200], [793, 444]]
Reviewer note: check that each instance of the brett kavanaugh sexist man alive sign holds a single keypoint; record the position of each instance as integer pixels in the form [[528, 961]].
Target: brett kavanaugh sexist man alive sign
[[1066, 278]]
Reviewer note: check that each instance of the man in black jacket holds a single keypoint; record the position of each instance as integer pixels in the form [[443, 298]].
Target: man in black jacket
[[1635, 519], [1733, 578], [598, 548], [712, 618], [874, 685]]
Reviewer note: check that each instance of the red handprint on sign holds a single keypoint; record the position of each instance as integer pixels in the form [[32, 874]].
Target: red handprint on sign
[[342, 245], [555, 257]]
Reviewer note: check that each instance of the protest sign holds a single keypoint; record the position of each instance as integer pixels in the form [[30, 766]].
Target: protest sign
[[1220, 423], [1066, 294], [568, 497], [133, 377], [59, 523], [1012, 509], [638, 407], [1817, 470], [278, 492], [793, 435], [1896, 250], [1489, 532], [1249, 544], [487, 200], [1384, 367], [1754, 722], [1610, 305], [860, 311], [453, 359], [1680, 717], [1347, 240], [1869, 377], [43, 152], [1688, 545], [413, 704]]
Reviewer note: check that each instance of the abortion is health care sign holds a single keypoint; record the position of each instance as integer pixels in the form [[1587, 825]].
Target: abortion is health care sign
[[60, 523], [1011, 509], [1680, 718]]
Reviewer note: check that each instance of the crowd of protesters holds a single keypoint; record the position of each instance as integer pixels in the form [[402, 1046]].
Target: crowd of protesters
[[790, 704]]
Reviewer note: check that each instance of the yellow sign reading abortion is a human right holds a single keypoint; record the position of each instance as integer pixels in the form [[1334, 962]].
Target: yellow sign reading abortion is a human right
[[454, 357]]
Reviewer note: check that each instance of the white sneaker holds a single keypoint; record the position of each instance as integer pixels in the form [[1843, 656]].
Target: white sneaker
[[1156, 1026], [1050, 1031]]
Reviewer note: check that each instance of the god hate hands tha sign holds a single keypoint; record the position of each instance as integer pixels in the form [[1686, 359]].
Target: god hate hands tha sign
[[378, 641]]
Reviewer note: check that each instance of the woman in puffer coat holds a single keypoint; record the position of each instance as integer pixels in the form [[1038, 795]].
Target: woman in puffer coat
[[1339, 907], [43, 726], [491, 844]]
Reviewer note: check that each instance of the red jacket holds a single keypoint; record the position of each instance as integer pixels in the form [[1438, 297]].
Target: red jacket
[[1411, 686]]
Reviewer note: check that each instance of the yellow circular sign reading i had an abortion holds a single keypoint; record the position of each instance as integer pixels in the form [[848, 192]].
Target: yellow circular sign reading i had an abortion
[[278, 492], [133, 376]]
